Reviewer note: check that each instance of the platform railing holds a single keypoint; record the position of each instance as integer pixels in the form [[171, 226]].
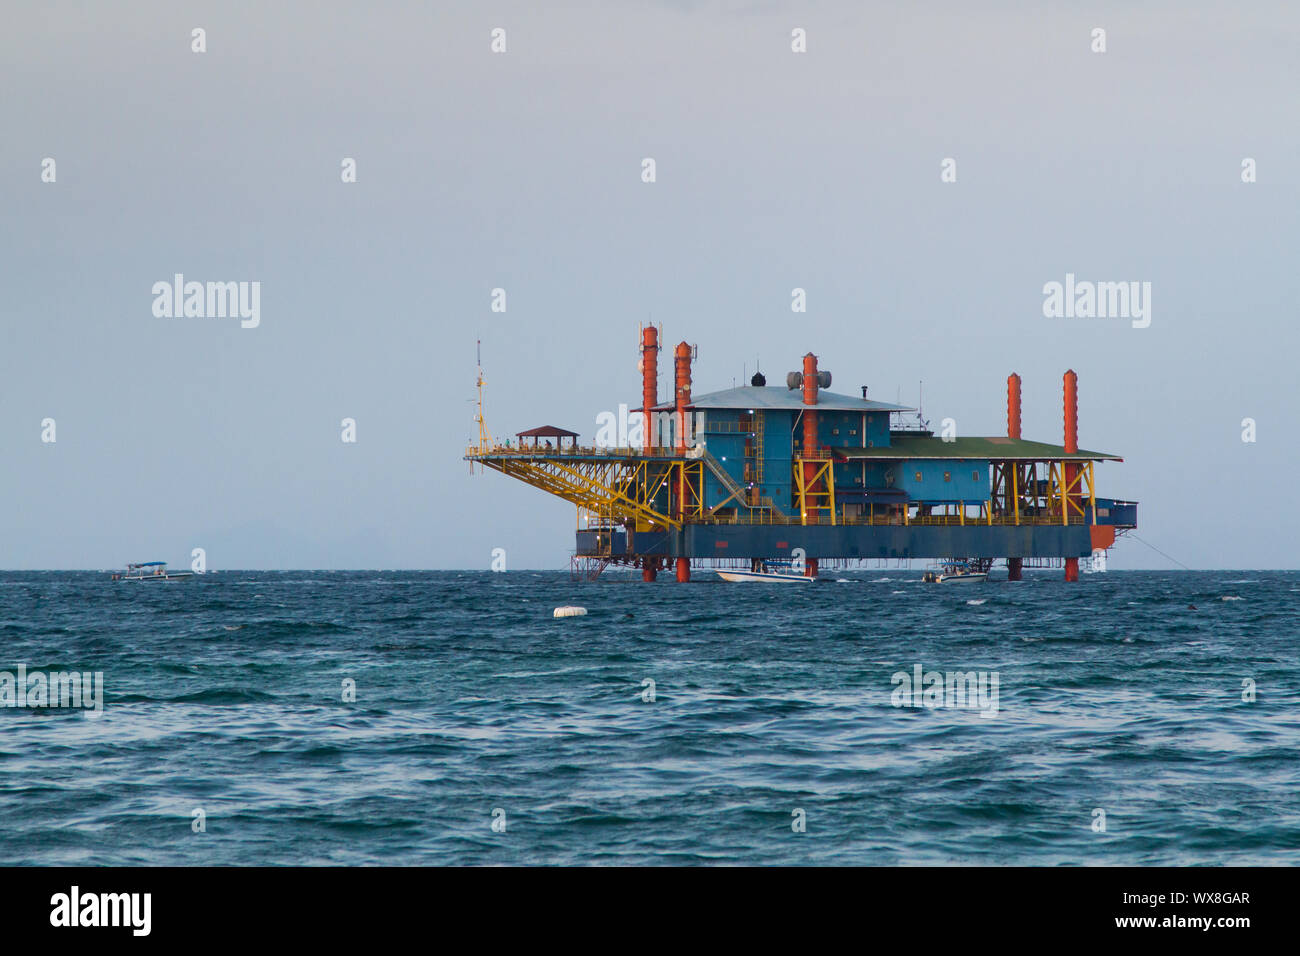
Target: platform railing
[[725, 428], [889, 521], [568, 451]]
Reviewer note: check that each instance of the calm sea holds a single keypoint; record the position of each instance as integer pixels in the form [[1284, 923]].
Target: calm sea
[[701, 723]]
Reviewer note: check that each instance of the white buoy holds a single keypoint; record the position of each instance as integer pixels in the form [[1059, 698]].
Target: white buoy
[[570, 611]]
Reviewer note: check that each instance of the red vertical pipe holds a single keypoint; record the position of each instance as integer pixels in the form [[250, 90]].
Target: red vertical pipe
[[1015, 566], [1071, 413], [649, 399], [810, 437], [1072, 448], [810, 399], [649, 381], [682, 363], [1013, 405]]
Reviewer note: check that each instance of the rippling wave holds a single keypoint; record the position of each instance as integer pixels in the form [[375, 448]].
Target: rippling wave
[[672, 724]]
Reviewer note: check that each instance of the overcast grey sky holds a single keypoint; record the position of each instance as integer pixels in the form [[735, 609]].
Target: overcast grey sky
[[522, 170]]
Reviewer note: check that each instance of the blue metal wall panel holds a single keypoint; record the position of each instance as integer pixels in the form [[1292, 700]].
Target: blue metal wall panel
[[777, 445], [839, 429], [877, 429], [851, 541], [944, 481], [888, 541]]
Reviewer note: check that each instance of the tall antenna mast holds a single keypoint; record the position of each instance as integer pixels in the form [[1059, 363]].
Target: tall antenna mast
[[484, 436]]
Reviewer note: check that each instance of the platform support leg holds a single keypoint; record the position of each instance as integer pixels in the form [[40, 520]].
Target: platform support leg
[[1014, 568], [683, 569], [1071, 569]]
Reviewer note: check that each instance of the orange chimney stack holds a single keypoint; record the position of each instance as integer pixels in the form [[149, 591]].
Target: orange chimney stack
[[810, 398], [1071, 497], [1071, 413], [682, 394], [649, 381], [1013, 405]]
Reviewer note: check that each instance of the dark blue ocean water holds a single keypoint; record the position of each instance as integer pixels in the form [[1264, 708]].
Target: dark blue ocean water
[[225, 695]]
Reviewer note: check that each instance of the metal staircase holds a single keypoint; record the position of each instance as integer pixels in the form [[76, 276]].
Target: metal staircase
[[733, 489]]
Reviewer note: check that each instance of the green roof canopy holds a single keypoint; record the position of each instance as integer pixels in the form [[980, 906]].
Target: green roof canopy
[[994, 449]]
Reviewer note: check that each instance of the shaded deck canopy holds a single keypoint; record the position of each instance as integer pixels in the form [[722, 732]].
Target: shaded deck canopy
[[547, 431], [993, 449]]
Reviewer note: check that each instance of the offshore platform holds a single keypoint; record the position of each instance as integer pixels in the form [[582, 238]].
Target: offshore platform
[[756, 472]]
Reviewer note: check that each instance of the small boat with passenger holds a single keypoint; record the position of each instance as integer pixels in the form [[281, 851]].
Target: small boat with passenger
[[761, 572], [151, 571], [957, 572]]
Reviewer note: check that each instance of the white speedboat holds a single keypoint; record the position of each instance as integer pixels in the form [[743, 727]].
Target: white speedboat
[[956, 574], [957, 577], [775, 577]]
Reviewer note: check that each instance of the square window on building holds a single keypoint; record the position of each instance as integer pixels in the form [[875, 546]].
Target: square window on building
[[853, 431], [918, 476], [835, 431], [947, 476], [975, 476]]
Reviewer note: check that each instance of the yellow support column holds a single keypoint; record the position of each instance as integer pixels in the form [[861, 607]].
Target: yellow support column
[[1092, 494], [1059, 478], [798, 487], [1015, 492], [830, 483]]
